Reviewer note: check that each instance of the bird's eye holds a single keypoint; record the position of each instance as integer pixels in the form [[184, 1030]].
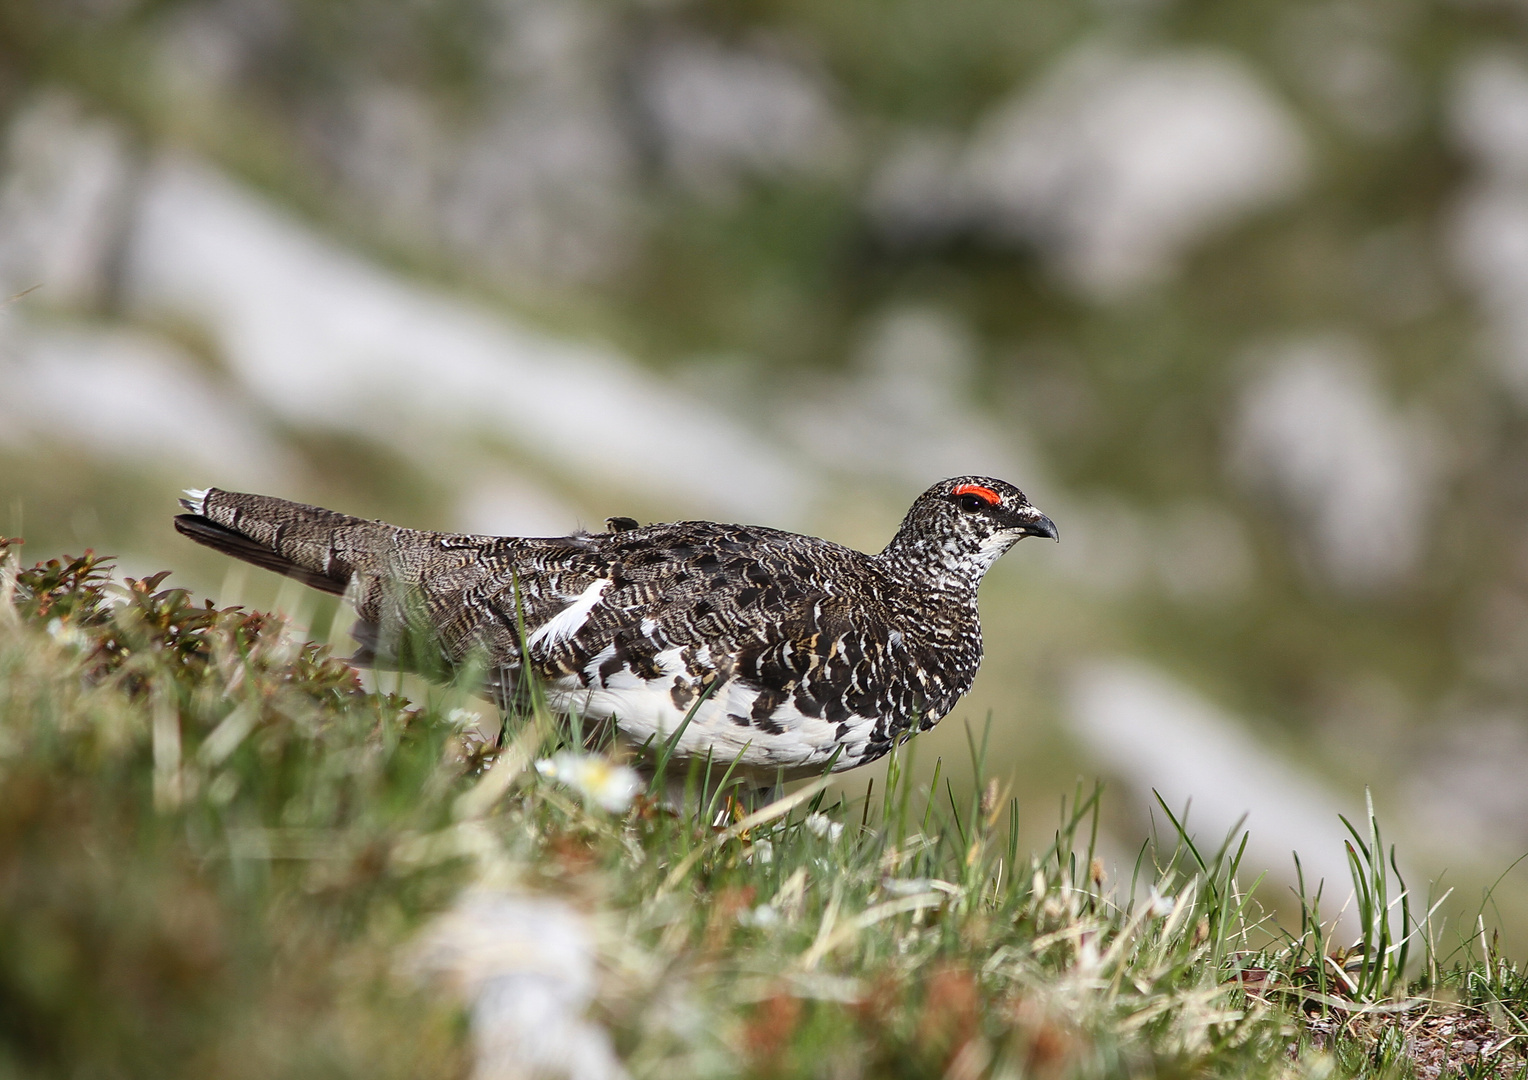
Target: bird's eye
[[972, 504]]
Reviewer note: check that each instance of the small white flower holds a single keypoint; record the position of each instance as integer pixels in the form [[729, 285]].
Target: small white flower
[[822, 825], [762, 916], [761, 852], [462, 718], [1159, 906], [1088, 957], [528, 967], [66, 633], [597, 779]]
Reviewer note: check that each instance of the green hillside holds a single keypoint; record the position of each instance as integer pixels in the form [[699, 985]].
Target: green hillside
[[219, 855]]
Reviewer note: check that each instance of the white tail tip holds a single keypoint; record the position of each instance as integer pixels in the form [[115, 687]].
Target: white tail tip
[[195, 500]]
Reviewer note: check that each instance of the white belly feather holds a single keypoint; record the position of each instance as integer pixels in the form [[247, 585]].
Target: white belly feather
[[645, 710]]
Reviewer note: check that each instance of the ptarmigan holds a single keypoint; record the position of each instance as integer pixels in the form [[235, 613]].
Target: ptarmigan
[[784, 650]]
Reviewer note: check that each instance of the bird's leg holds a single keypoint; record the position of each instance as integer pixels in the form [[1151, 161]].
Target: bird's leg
[[768, 793], [682, 793]]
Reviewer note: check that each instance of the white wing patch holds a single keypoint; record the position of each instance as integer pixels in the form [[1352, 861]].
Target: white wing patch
[[569, 620]]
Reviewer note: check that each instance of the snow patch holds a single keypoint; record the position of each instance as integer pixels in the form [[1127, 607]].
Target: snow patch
[[323, 338], [1315, 428], [1114, 165]]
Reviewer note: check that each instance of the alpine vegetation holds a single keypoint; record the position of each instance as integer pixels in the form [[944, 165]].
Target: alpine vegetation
[[221, 856]]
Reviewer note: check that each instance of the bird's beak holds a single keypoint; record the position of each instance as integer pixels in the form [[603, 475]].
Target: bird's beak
[[1033, 523]]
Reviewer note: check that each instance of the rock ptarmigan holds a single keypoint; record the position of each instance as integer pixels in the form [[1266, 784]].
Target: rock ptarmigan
[[783, 650]]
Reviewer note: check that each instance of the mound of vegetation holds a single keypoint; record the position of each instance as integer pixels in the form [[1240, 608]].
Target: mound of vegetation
[[221, 856]]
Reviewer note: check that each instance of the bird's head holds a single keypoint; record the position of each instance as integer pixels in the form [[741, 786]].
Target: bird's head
[[965, 524]]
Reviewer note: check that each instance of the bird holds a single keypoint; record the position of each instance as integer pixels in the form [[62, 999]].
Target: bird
[[777, 652]]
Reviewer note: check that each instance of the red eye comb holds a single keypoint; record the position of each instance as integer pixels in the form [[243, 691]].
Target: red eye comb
[[987, 495]]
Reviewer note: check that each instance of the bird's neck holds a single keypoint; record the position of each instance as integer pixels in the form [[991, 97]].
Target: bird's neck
[[936, 564]]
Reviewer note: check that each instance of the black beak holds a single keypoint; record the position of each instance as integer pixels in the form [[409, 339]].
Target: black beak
[[1034, 523]]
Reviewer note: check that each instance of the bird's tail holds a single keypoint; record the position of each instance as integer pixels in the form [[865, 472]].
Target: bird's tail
[[377, 566], [317, 547]]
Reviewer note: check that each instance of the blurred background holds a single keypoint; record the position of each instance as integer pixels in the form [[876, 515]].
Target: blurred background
[[1236, 291]]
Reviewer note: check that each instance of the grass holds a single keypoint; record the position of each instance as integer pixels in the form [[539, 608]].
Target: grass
[[221, 856]]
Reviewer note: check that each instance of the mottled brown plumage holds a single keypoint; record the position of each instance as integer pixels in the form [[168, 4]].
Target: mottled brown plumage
[[787, 648]]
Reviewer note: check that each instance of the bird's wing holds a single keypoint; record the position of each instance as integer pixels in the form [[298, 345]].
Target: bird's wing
[[761, 631]]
